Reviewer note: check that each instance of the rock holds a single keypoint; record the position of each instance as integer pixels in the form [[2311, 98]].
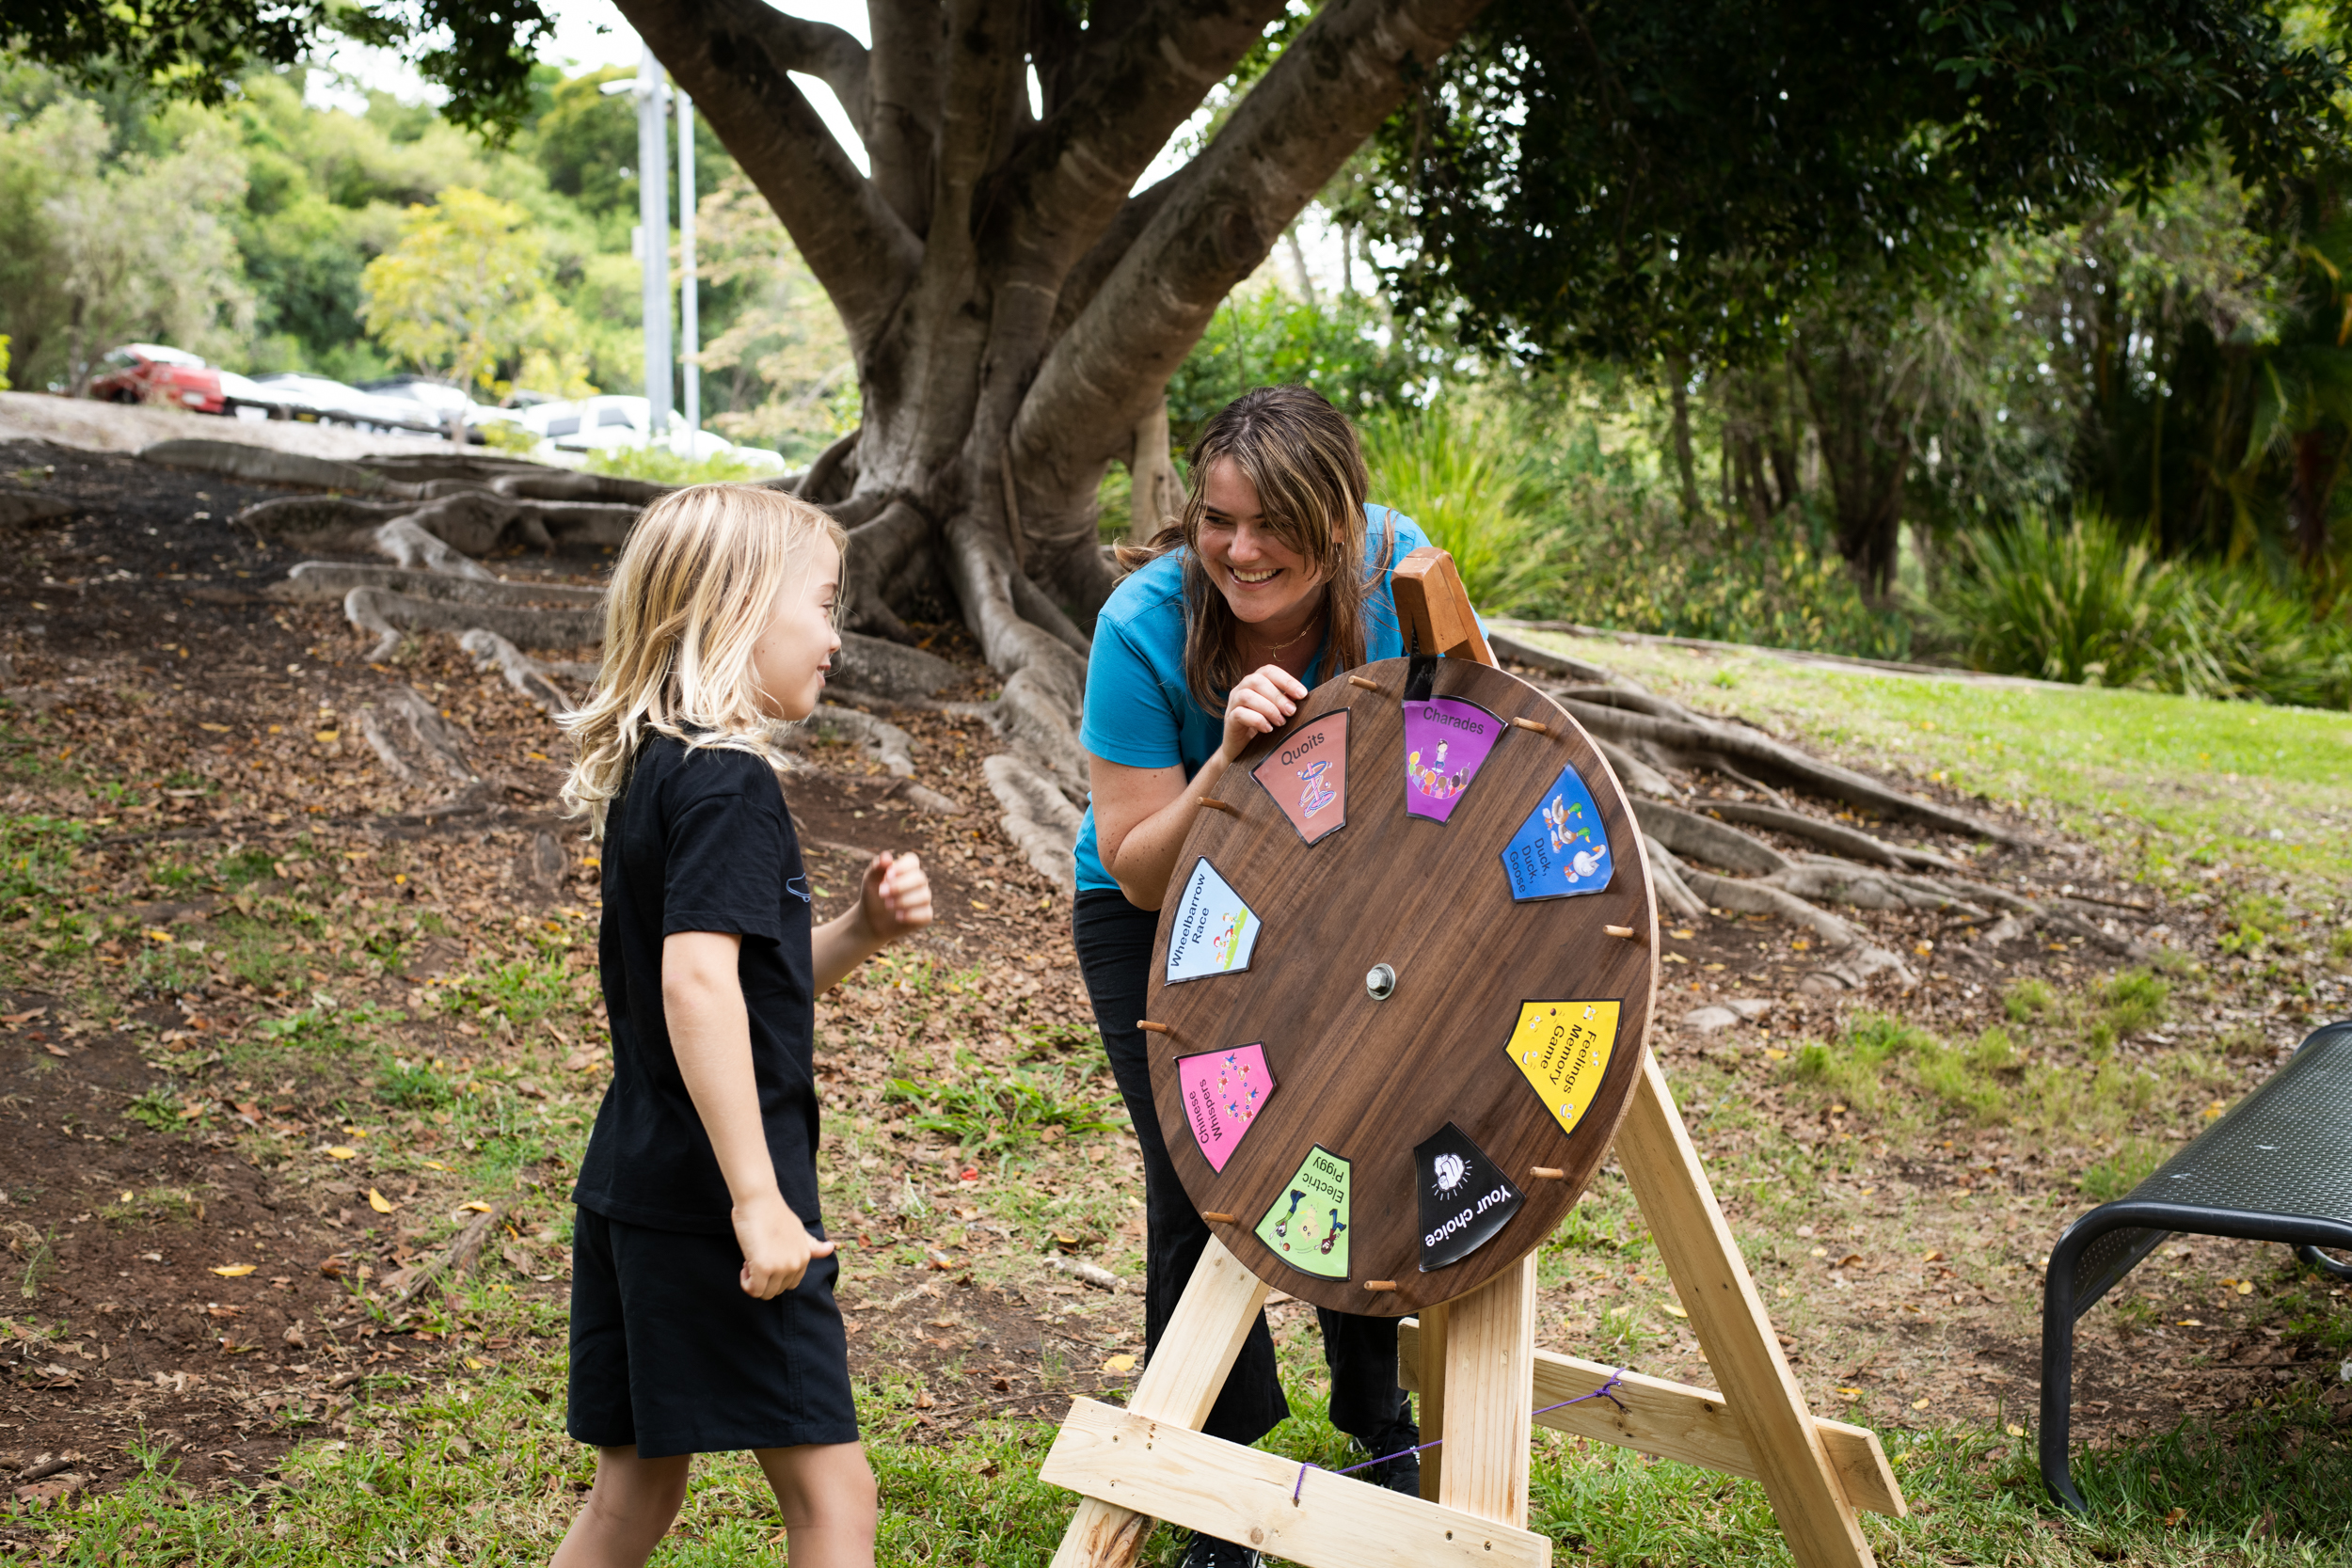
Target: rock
[[1709, 1021], [1750, 1009], [19, 507]]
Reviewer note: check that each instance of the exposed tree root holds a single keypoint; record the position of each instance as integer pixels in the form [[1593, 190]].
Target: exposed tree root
[[1686, 833], [1852, 958], [1665, 874], [523, 673], [884, 741], [1635, 775], [1669, 735], [562, 485], [1043, 825], [892, 670], [1512, 650], [414, 741], [329, 582], [1852, 841], [269, 466], [19, 507], [388, 614]]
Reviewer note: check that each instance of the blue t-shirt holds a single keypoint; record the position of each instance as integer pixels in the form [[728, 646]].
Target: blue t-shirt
[[1140, 713]]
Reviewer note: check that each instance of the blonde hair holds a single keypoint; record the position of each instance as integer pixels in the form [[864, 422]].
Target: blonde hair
[[1301, 455], [690, 596]]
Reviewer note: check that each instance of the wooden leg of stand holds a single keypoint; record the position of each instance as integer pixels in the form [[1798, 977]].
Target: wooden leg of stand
[[1489, 1373], [1432, 1386], [1219, 1304], [1663, 1168]]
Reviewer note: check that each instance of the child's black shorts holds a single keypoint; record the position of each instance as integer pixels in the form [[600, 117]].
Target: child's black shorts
[[669, 1354]]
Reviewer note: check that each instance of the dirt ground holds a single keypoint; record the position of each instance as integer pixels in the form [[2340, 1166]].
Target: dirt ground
[[210, 1260]]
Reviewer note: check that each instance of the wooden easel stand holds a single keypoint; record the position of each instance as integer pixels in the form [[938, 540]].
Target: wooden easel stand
[[1475, 1364]]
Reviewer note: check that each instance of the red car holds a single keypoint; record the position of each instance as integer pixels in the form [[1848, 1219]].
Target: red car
[[149, 373]]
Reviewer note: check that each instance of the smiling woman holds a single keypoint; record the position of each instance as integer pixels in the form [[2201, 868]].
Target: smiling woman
[[1275, 579]]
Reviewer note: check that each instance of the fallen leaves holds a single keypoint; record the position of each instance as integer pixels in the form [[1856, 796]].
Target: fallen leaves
[[234, 1270], [341, 1151], [381, 1204], [1119, 1363]]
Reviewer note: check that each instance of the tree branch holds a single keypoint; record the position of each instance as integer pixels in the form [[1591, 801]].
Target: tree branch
[[910, 44], [734, 57], [1329, 92]]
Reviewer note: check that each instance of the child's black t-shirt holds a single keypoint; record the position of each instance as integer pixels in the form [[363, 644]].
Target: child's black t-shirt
[[700, 841]]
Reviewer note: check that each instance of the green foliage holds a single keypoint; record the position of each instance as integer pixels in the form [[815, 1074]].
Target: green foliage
[[1461, 470], [664, 467], [518, 990], [1531, 192], [2089, 604], [157, 1109], [2136, 1001], [2026, 999], [197, 48], [106, 248], [324, 1027], [2116, 1175], [411, 1087], [1347, 350], [463, 290], [1006, 1115]]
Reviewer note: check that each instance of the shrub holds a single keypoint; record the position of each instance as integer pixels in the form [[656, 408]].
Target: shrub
[[2092, 605], [1462, 473]]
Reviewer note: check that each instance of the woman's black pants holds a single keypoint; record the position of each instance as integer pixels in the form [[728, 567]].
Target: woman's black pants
[[1114, 941]]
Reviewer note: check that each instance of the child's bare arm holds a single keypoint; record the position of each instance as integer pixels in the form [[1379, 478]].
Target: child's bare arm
[[711, 1036], [896, 899]]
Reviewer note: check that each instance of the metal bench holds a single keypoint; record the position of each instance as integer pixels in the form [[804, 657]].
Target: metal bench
[[2276, 1167]]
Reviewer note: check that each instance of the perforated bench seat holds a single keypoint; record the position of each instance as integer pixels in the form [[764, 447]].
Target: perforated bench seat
[[2276, 1167]]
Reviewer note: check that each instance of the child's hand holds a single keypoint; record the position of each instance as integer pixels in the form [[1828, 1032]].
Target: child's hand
[[898, 896], [777, 1246]]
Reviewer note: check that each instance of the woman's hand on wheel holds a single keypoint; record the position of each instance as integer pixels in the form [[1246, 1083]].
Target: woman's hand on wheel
[[1261, 702]]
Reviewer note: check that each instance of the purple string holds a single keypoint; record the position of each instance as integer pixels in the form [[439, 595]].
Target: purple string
[[1606, 1391]]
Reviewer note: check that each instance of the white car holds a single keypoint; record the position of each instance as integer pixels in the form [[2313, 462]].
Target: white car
[[440, 400], [568, 431], [315, 397]]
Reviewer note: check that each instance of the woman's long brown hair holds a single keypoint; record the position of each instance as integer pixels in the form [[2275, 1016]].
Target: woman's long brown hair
[[1301, 455]]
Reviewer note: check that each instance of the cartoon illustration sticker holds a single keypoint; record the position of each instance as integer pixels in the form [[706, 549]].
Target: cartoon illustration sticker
[[1447, 740], [1561, 849], [1224, 1091], [1307, 775], [1563, 1050], [1306, 1227], [1214, 930], [1465, 1200]]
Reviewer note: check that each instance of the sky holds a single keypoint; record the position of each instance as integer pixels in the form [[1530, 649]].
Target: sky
[[590, 34]]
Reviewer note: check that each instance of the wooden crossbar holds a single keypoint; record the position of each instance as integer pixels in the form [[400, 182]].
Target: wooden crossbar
[[1676, 1420], [1160, 1470]]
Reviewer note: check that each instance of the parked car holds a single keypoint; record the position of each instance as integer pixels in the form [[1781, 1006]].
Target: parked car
[[441, 399], [569, 431], [317, 398], [150, 373]]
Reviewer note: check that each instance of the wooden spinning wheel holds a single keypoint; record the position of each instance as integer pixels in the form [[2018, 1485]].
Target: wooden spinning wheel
[[1400, 999], [1284, 1047]]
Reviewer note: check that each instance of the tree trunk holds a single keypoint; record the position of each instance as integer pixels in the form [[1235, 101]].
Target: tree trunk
[[1857, 402], [1686, 467], [1014, 312], [1157, 494]]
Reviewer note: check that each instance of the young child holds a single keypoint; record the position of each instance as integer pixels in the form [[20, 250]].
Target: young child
[[703, 1311]]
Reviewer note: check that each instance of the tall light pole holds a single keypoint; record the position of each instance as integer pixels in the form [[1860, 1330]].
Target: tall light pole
[[653, 217], [689, 287]]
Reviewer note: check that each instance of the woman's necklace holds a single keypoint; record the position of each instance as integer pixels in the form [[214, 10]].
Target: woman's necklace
[[1278, 650]]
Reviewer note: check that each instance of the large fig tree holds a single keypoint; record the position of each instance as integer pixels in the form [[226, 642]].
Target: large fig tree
[[1014, 303]]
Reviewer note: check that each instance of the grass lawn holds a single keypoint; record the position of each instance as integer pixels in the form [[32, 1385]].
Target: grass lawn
[[2206, 786]]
